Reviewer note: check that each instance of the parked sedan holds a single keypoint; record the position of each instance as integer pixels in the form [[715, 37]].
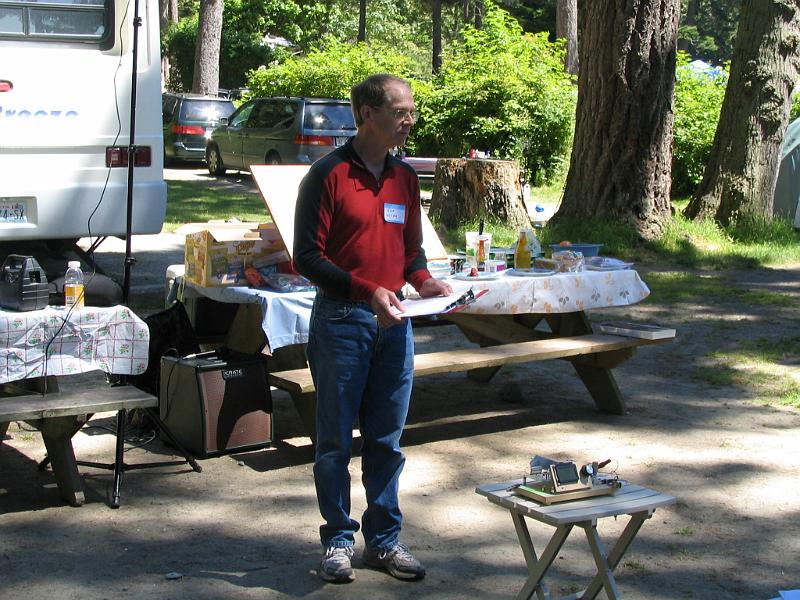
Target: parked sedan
[[276, 131]]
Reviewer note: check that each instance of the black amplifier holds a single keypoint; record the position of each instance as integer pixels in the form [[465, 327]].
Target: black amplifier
[[216, 403], [23, 284]]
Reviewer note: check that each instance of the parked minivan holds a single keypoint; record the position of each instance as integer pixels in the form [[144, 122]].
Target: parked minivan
[[276, 131], [188, 121]]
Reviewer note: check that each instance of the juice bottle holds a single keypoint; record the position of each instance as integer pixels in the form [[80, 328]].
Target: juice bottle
[[480, 255], [73, 285], [522, 254]]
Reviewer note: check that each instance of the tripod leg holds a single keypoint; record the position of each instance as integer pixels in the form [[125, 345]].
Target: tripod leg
[[175, 443], [119, 458]]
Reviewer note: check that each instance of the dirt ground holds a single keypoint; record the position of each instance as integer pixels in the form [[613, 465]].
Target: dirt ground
[[246, 527]]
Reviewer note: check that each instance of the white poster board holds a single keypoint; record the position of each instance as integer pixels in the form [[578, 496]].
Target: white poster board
[[278, 185]]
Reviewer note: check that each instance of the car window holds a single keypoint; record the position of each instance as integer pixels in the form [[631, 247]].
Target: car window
[[286, 113], [265, 115], [240, 118], [205, 111], [168, 107], [329, 116]]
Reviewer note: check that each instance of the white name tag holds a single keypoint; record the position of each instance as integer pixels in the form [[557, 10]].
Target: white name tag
[[394, 213]]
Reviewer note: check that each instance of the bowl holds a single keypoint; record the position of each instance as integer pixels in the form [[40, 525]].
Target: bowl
[[583, 248]]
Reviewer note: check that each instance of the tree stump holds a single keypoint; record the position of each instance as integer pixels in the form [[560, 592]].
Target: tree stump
[[466, 189]]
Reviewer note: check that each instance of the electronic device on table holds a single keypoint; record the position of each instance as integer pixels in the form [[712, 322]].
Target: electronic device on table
[[552, 481]]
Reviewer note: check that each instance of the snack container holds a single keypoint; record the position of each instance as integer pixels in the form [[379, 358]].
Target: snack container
[[569, 261]]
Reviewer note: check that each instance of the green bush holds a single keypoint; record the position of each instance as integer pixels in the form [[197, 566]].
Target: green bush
[[503, 91], [698, 100], [328, 72]]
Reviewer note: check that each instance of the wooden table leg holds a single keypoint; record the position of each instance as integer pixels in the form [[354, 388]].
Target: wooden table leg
[[57, 434], [616, 554], [599, 381], [528, 551], [537, 568]]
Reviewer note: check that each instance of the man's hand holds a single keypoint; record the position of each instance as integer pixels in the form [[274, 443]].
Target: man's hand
[[434, 287], [382, 302]]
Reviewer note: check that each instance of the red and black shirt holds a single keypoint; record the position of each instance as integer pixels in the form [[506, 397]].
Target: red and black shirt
[[353, 233]]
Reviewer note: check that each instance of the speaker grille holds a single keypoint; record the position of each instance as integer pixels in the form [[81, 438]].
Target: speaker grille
[[236, 408]]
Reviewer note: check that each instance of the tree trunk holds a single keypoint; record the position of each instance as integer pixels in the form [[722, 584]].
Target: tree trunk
[[689, 20], [362, 20], [468, 189], [478, 14], [206, 54], [739, 180], [567, 30], [168, 14], [622, 153], [437, 36]]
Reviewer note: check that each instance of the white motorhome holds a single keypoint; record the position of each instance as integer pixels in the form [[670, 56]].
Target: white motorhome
[[65, 89]]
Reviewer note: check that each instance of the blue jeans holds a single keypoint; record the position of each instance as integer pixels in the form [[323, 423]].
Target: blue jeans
[[359, 369]]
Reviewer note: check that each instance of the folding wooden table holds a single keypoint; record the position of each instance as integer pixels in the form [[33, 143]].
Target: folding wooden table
[[638, 502]]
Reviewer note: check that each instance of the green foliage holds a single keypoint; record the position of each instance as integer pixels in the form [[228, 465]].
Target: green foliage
[[242, 46], [698, 100], [712, 33], [503, 91], [327, 72]]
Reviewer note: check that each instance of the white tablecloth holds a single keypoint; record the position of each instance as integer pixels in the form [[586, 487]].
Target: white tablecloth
[[111, 339], [287, 315]]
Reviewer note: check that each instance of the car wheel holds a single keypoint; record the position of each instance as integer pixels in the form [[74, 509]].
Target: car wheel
[[214, 161], [273, 158]]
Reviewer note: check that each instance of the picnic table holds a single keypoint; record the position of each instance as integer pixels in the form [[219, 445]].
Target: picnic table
[[39, 347], [507, 323]]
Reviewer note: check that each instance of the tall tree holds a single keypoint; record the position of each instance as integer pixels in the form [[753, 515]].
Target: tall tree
[[739, 180], [437, 35], [620, 163], [168, 14], [362, 21], [206, 56], [567, 30]]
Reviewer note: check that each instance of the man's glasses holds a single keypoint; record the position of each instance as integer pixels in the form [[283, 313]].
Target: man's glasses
[[400, 114]]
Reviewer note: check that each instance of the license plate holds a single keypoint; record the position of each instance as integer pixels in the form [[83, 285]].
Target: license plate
[[13, 210]]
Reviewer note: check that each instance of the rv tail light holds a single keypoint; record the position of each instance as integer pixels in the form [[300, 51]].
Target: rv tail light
[[117, 156]]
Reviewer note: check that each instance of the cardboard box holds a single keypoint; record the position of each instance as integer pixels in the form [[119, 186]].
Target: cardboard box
[[218, 254]]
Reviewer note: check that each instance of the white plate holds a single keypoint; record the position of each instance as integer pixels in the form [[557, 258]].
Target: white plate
[[606, 263], [530, 272], [465, 276], [616, 267]]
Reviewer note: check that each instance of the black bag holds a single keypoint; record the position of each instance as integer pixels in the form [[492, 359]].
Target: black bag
[[171, 332], [100, 290]]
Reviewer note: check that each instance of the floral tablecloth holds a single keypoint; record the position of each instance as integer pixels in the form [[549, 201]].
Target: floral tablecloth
[[54, 341], [287, 315], [560, 293]]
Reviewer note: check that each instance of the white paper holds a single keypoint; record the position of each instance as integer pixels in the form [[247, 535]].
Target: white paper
[[415, 307]]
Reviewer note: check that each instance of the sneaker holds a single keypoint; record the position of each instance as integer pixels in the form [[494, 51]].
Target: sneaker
[[397, 561], [335, 565]]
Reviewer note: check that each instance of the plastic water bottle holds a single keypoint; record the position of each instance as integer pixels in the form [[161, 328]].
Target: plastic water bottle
[[73, 285]]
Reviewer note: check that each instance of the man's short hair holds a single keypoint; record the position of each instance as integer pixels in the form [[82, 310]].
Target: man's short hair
[[371, 92]]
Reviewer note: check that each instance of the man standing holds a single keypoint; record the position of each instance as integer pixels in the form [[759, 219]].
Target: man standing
[[358, 237]]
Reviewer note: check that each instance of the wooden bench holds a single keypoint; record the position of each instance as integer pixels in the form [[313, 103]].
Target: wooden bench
[[603, 350], [59, 415]]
